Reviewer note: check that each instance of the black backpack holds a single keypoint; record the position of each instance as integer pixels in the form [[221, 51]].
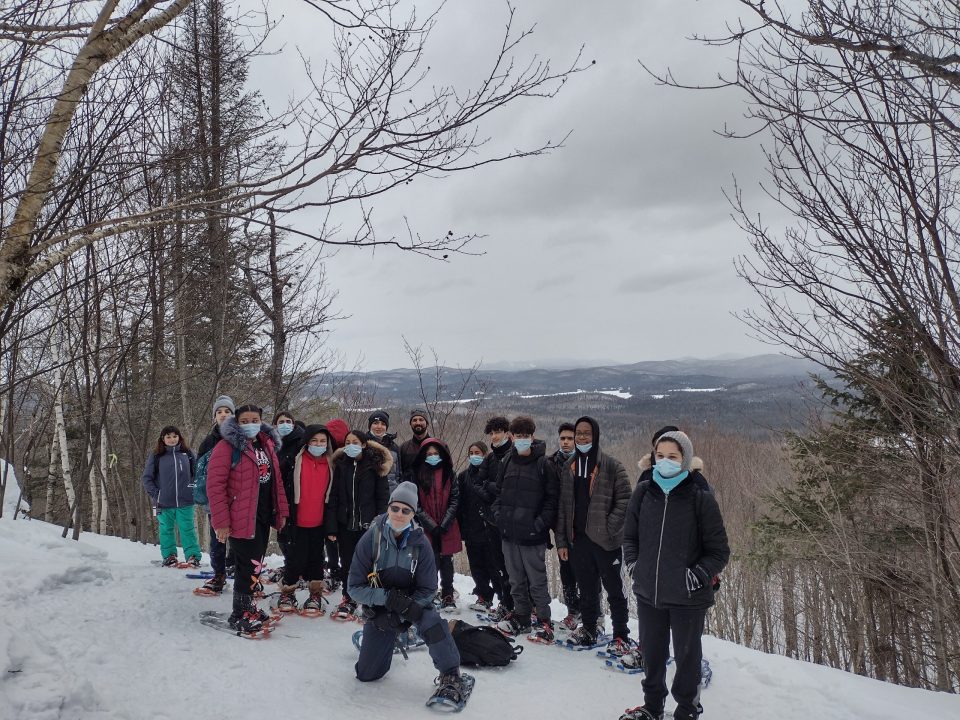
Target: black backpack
[[483, 646]]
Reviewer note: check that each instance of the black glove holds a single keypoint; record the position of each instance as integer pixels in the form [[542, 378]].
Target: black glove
[[397, 602], [437, 531], [387, 621], [697, 577]]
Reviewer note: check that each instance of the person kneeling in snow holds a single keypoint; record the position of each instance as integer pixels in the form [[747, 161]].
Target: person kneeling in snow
[[393, 574]]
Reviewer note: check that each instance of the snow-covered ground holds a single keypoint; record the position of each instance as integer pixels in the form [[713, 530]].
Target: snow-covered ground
[[91, 629]]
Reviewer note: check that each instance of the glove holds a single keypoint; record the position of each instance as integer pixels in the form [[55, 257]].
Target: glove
[[697, 578], [437, 531], [397, 602]]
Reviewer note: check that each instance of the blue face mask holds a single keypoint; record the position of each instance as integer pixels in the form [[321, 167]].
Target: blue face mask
[[667, 467], [433, 460], [316, 450], [669, 483], [522, 444], [502, 441], [284, 428], [406, 527], [585, 448], [567, 453], [353, 451], [476, 460], [250, 430]]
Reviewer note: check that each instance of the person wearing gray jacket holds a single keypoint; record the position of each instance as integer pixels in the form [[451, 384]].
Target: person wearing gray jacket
[[594, 494]]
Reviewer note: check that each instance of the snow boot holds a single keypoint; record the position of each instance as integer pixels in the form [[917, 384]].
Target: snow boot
[[346, 610], [193, 562], [451, 689], [313, 606], [514, 625], [170, 561], [619, 647], [447, 605], [642, 713], [212, 587], [288, 599]]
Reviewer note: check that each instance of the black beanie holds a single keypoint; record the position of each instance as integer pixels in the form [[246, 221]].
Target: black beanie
[[381, 415]]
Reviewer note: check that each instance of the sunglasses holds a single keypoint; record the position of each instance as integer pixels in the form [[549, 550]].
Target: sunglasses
[[400, 509]]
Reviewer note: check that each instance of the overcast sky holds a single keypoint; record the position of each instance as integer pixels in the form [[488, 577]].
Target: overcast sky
[[619, 246]]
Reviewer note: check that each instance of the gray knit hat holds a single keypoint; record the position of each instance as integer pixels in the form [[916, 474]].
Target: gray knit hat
[[223, 401], [419, 413], [407, 494], [686, 447]]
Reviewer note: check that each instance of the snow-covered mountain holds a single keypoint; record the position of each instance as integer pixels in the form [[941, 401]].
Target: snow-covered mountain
[[90, 630]]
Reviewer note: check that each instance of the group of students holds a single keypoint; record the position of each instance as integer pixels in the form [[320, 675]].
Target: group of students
[[386, 519]]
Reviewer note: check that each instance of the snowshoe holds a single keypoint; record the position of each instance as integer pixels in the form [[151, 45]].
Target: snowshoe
[[273, 576], [212, 587], [238, 626], [346, 611], [331, 585], [498, 613], [706, 674], [571, 621], [288, 601], [513, 625], [481, 605], [618, 648], [453, 691], [448, 605], [170, 561], [313, 606], [193, 563], [620, 666], [579, 642], [544, 635]]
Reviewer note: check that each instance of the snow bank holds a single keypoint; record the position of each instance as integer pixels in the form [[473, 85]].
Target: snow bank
[[91, 630], [12, 491]]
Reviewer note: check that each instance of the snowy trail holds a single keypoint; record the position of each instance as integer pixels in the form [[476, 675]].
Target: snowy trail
[[93, 630]]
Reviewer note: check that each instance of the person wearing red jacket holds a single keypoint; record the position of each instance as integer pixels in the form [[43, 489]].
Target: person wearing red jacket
[[245, 489]]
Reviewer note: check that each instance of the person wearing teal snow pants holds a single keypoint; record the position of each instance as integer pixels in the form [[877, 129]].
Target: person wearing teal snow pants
[[168, 478]]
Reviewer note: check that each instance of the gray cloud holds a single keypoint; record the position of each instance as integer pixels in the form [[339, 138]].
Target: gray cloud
[[630, 213]]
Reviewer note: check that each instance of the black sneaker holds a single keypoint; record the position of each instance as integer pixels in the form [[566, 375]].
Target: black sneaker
[[248, 623], [583, 636], [169, 561], [514, 625], [642, 713]]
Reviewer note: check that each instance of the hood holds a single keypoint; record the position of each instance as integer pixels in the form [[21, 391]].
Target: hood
[[646, 463], [338, 428], [373, 452], [312, 430], [420, 459], [231, 432], [596, 434]]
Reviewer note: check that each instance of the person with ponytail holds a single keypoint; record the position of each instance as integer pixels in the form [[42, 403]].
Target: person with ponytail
[[246, 494]]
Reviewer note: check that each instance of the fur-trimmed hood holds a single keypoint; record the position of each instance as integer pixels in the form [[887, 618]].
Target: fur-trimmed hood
[[231, 432], [374, 452], [646, 462]]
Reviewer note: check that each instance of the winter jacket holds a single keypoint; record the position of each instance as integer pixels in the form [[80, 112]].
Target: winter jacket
[[526, 504], [359, 490], [439, 501], [664, 535], [210, 441], [388, 441], [408, 453], [395, 563], [169, 479], [234, 489], [473, 512], [608, 491], [609, 496], [303, 457], [287, 455], [487, 483]]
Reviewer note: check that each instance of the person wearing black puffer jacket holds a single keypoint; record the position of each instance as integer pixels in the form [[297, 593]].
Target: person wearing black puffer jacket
[[292, 436], [358, 495], [674, 542], [525, 510], [475, 528], [378, 422]]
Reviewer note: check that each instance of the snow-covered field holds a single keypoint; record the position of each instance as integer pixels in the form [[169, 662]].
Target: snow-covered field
[[91, 629]]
